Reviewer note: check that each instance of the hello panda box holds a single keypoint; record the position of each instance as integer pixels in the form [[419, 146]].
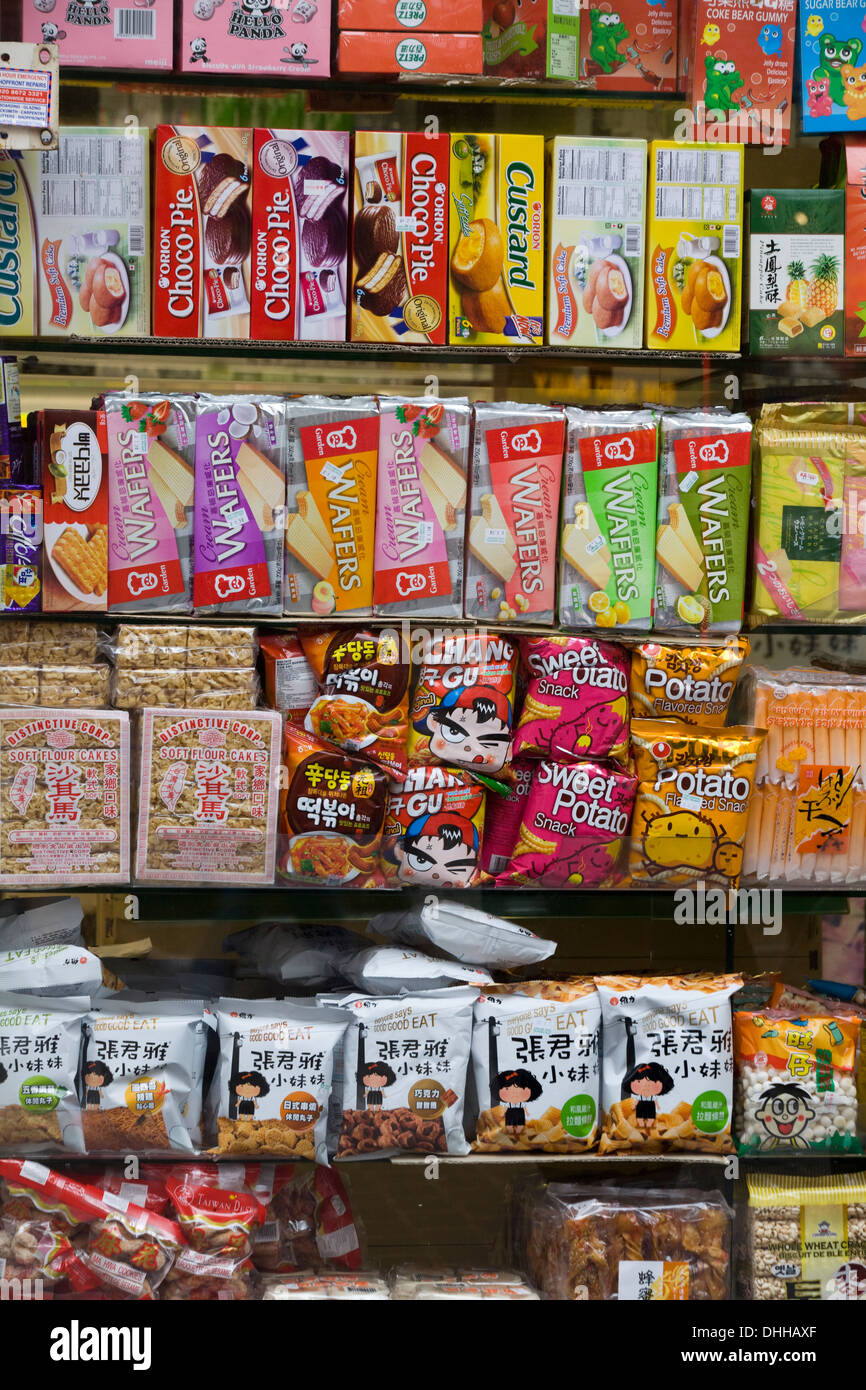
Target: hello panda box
[[831, 38], [290, 37], [103, 33]]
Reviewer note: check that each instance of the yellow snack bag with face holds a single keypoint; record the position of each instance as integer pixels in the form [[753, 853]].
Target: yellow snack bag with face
[[692, 804]]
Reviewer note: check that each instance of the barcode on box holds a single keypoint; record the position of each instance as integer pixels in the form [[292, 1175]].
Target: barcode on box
[[136, 239], [731, 243], [633, 241], [134, 24]]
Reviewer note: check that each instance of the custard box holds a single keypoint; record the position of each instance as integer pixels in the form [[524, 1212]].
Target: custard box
[[742, 65], [421, 16], [300, 235], [400, 238], [104, 33], [289, 37], [496, 239], [597, 221], [694, 247], [202, 232], [629, 46], [72, 456], [76, 233], [534, 39], [393, 53]]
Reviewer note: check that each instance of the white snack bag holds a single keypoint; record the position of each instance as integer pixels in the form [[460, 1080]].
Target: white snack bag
[[392, 970], [50, 970], [463, 933], [57, 922], [142, 1072], [667, 1069], [405, 1065], [271, 1090], [296, 952], [536, 1058], [40, 1048]]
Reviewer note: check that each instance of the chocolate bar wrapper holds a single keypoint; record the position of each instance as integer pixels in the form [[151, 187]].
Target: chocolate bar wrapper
[[333, 450], [151, 457], [240, 505], [11, 438], [21, 538], [421, 507]]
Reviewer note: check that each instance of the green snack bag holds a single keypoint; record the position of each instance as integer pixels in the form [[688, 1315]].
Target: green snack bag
[[607, 559]]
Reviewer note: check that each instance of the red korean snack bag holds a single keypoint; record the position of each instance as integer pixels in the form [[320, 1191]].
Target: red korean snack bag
[[502, 816], [576, 701], [363, 705], [433, 829], [309, 1222], [463, 707], [332, 809]]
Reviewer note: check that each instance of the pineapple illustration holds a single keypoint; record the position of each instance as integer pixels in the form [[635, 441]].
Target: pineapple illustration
[[824, 289], [798, 287]]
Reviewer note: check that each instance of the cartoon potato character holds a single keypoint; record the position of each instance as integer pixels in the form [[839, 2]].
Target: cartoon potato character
[[680, 840], [728, 858]]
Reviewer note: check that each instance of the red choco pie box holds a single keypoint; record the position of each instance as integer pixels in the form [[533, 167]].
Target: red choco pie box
[[300, 235], [202, 232]]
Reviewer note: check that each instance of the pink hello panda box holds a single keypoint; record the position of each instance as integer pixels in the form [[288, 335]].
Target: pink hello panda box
[[256, 36], [103, 33]]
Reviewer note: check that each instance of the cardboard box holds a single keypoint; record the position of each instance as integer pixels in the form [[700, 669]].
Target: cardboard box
[[535, 39], [289, 37], [597, 238], [104, 33], [78, 217], [854, 172], [694, 263], [373, 54], [300, 235], [400, 238], [830, 39], [796, 271], [743, 66], [629, 47], [21, 536], [72, 453], [421, 16], [496, 239], [202, 232]]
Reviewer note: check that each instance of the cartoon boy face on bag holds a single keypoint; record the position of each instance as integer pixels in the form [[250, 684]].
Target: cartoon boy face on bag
[[439, 849], [471, 727], [785, 1112]]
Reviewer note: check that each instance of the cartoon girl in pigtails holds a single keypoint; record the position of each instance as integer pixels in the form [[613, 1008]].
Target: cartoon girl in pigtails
[[515, 1089], [644, 1083]]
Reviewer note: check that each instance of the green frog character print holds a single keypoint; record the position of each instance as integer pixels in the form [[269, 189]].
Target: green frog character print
[[608, 31]]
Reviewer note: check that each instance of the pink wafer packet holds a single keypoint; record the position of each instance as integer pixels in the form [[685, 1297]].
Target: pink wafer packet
[[576, 701], [574, 827]]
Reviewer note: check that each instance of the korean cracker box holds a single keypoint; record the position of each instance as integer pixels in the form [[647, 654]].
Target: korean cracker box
[[695, 247], [496, 239], [597, 221], [832, 62]]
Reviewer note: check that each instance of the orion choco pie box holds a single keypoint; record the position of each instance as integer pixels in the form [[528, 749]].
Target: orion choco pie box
[[300, 235], [103, 33], [400, 238], [202, 232], [289, 37]]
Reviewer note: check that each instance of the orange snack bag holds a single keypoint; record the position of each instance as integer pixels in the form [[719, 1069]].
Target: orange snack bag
[[363, 705], [694, 684]]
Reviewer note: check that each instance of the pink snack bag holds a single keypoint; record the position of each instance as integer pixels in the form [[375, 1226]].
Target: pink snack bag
[[574, 826], [502, 818], [576, 702], [289, 37]]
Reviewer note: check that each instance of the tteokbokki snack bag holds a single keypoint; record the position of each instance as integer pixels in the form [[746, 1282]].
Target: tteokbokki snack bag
[[363, 675]]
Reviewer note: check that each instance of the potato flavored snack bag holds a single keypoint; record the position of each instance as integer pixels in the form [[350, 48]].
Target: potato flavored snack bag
[[433, 829], [703, 521], [678, 1096], [363, 676], [463, 707], [572, 834], [576, 701], [694, 684], [610, 495], [332, 807], [692, 803]]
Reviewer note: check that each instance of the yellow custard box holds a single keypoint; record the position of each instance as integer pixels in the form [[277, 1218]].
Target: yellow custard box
[[496, 239], [695, 247]]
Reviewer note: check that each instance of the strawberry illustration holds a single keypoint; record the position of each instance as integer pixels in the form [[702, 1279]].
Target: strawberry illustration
[[134, 411], [407, 413]]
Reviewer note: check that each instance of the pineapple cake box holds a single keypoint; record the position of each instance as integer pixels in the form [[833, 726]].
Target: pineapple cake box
[[796, 272]]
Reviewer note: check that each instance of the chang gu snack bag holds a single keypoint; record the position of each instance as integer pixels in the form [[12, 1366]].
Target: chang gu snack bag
[[576, 700], [463, 707], [434, 827], [574, 827]]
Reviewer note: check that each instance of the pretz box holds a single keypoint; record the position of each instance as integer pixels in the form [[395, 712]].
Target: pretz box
[[694, 246], [400, 238], [104, 33], [597, 219], [289, 37], [202, 232], [300, 235], [395, 53], [421, 16], [496, 239]]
